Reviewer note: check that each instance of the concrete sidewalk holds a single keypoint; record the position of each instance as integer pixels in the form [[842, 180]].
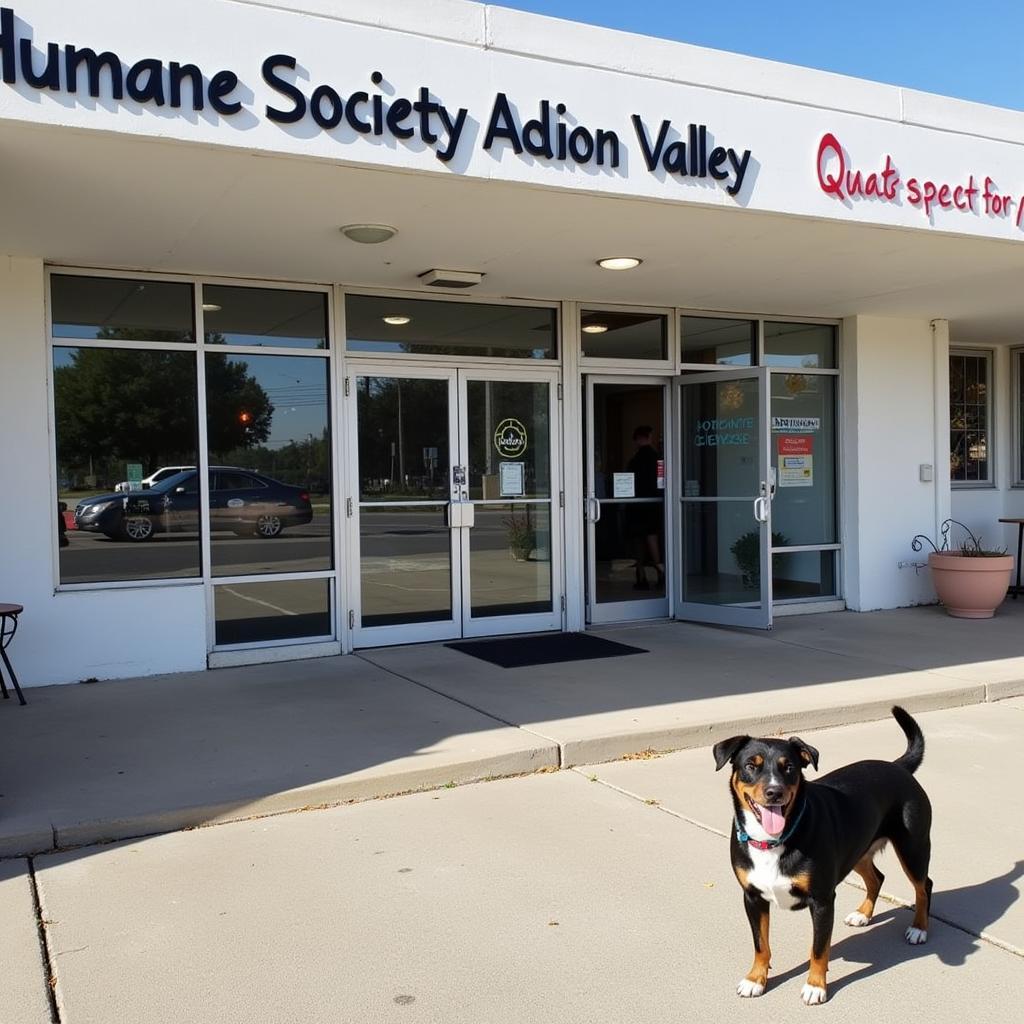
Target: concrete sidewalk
[[103, 761], [531, 900]]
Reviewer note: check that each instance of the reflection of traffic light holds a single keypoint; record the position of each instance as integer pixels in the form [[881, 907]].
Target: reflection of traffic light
[[245, 418]]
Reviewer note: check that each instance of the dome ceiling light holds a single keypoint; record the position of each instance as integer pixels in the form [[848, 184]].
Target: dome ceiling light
[[369, 234], [619, 263]]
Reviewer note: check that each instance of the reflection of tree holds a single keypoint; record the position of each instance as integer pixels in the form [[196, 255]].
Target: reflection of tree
[[304, 463], [400, 418], [114, 405]]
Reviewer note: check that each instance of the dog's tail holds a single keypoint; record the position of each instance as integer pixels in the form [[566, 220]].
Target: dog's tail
[[914, 755]]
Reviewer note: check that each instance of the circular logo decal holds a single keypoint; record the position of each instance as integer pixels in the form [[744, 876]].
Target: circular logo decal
[[510, 439]]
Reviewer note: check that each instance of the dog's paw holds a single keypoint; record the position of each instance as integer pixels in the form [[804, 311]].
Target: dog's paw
[[812, 995], [856, 919], [749, 989], [915, 936]]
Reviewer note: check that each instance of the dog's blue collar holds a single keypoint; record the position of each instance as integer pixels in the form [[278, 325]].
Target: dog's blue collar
[[770, 844]]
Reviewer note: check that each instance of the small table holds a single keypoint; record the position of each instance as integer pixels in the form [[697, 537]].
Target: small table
[[1015, 589], [8, 627]]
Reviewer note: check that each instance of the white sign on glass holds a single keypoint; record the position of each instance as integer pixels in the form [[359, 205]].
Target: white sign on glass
[[510, 476], [623, 485]]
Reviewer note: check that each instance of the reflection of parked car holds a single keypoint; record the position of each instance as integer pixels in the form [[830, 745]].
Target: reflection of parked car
[[240, 501], [154, 478]]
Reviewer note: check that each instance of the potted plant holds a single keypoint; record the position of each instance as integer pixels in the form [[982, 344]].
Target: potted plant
[[971, 580], [522, 537], [747, 552]]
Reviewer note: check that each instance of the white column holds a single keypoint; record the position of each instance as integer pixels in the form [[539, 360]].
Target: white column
[[895, 420]]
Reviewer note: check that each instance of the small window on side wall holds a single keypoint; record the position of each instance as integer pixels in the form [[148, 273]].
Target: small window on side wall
[[1018, 403], [970, 417]]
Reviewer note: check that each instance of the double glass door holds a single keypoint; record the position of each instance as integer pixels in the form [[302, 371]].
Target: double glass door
[[456, 521], [727, 488]]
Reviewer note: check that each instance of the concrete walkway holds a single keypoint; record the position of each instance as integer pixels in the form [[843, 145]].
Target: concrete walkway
[[104, 761], [599, 894]]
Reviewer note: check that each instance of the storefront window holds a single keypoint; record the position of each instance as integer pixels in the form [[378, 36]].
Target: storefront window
[[803, 455], [800, 346], [270, 463], [128, 394], [970, 416], [265, 317], [126, 463], [615, 335], [375, 324], [120, 309], [1018, 402], [717, 341]]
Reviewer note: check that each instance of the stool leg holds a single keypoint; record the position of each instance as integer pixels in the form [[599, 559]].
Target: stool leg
[[14, 678]]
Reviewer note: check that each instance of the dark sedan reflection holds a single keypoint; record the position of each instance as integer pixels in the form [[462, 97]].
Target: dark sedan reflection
[[241, 502]]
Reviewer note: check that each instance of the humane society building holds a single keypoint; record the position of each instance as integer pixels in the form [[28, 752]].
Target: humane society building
[[329, 325]]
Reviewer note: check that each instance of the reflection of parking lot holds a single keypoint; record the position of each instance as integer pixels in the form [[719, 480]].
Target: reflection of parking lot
[[92, 557], [406, 565], [274, 610]]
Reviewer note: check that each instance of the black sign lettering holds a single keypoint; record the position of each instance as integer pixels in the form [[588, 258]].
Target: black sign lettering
[[553, 135]]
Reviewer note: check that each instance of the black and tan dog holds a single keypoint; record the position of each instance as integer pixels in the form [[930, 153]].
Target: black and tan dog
[[794, 841]]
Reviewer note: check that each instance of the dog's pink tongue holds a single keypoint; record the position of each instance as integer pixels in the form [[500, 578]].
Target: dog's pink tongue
[[773, 821]]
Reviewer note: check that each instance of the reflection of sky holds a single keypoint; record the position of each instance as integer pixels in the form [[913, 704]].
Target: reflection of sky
[[297, 388]]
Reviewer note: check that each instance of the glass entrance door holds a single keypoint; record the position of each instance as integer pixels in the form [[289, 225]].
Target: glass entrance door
[[727, 487], [456, 525], [624, 509]]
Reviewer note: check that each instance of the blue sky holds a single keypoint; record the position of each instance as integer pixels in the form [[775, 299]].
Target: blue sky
[[955, 48]]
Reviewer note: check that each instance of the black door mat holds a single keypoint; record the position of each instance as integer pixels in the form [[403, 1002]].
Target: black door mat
[[520, 651]]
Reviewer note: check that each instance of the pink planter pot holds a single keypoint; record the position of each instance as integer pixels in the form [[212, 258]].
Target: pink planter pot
[[970, 588]]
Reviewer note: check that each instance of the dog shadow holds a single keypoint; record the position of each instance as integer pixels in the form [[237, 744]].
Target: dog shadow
[[959, 916]]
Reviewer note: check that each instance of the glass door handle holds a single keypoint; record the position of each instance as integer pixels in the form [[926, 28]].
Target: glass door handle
[[593, 510], [761, 509]]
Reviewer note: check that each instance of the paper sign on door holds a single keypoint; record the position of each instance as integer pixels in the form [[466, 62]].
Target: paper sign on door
[[510, 475], [623, 485]]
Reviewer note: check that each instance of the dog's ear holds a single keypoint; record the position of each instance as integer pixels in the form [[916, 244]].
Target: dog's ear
[[726, 750], [808, 755]]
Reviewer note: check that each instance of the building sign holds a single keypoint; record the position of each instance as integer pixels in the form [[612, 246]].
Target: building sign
[[370, 110], [510, 439], [977, 194]]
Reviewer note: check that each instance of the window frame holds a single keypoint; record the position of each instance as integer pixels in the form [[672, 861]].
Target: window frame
[[199, 348], [1017, 411], [989, 355]]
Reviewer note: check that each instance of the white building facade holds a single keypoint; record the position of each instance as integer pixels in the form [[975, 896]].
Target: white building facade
[[336, 268]]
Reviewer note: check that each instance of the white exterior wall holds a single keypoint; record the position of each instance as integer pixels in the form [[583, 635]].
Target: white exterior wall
[[893, 423], [68, 636]]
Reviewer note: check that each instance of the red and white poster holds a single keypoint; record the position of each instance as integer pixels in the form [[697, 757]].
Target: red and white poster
[[796, 460]]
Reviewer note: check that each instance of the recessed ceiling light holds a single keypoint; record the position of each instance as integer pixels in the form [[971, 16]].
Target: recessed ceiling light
[[369, 234], [619, 263], [396, 321], [211, 307], [595, 328]]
